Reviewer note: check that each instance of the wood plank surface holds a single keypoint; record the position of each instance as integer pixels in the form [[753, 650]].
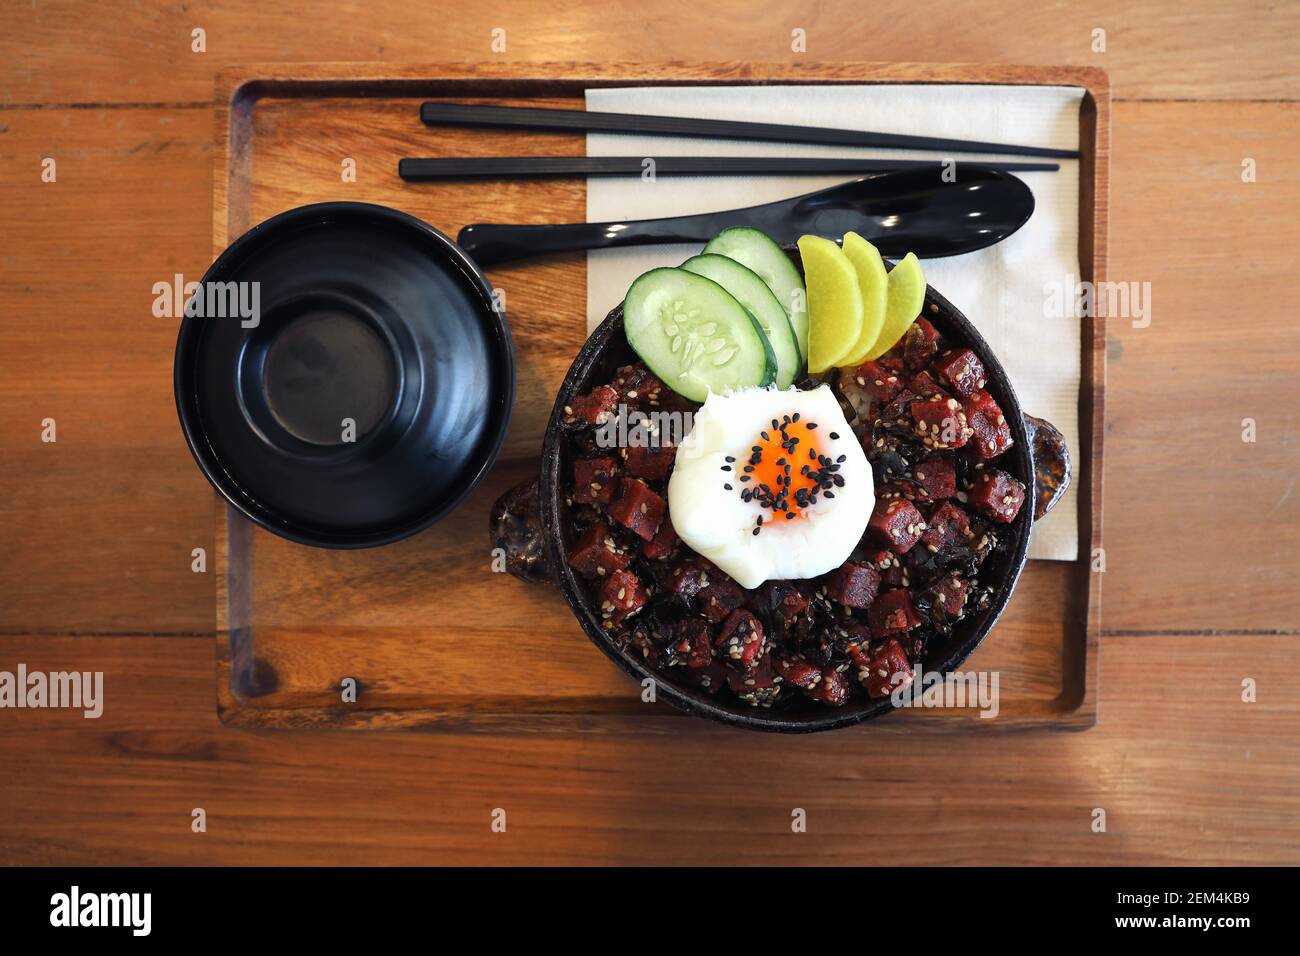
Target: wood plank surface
[[1202, 530], [1201, 533], [99, 526], [1224, 793], [67, 51]]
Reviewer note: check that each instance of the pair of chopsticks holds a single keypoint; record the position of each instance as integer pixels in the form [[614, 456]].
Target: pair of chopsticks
[[582, 121]]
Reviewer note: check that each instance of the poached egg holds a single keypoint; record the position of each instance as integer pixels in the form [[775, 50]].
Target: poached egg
[[771, 484]]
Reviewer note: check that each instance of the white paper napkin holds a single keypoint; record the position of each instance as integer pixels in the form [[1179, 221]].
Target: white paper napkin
[[1002, 290]]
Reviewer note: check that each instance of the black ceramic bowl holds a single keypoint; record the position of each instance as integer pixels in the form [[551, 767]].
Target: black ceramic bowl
[[370, 393], [607, 349]]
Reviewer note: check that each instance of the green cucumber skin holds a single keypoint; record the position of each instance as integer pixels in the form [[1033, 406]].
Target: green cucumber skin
[[756, 365], [769, 357], [759, 253], [749, 289]]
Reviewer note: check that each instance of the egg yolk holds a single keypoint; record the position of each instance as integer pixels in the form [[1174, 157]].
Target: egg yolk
[[786, 470]]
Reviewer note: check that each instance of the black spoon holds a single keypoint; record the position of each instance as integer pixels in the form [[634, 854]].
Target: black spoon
[[913, 210]]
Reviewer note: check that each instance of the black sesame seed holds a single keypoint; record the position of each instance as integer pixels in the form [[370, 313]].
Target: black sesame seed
[[842, 458], [756, 531], [765, 436], [727, 487], [726, 468], [812, 425], [729, 459], [834, 436], [744, 477], [795, 417]]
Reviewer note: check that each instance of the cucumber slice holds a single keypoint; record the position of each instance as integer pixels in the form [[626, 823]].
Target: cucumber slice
[[694, 335], [761, 302], [757, 252]]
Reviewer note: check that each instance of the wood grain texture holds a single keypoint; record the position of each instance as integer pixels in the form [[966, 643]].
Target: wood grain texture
[[408, 622], [120, 789], [98, 526], [65, 51], [1186, 773], [1202, 529]]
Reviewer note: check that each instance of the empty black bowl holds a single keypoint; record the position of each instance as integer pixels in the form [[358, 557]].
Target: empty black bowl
[[343, 375]]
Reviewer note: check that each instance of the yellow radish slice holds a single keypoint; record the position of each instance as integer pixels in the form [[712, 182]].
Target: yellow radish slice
[[834, 302], [873, 280], [906, 296]]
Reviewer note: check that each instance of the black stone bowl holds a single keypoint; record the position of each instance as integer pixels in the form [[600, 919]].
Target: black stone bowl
[[371, 391], [607, 349]]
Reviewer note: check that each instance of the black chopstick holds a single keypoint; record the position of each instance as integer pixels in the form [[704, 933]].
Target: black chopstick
[[501, 167], [584, 121]]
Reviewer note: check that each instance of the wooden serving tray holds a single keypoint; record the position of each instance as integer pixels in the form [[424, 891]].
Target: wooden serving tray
[[431, 635]]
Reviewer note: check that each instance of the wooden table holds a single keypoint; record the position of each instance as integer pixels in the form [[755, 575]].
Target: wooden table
[[1202, 532]]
